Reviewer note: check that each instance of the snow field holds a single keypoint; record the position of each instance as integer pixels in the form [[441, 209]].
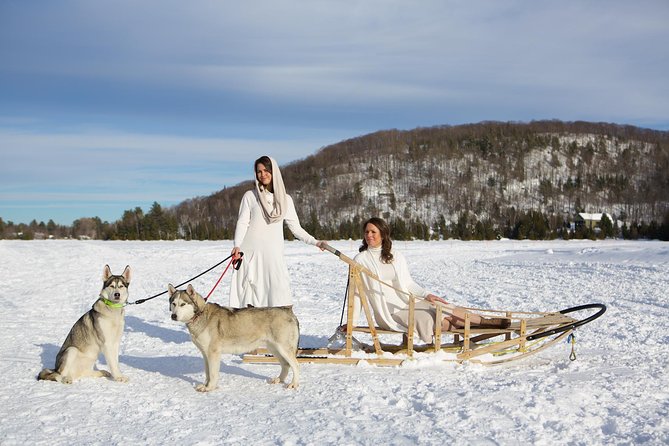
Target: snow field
[[614, 393]]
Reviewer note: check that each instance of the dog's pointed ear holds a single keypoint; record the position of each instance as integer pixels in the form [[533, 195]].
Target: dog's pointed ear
[[190, 290], [171, 289], [106, 273], [127, 274], [197, 300], [200, 303]]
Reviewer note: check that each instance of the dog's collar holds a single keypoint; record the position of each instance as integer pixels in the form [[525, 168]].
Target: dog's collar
[[111, 304], [194, 318]]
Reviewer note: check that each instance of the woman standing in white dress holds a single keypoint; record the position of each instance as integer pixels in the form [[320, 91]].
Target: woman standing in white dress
[[262, 280]]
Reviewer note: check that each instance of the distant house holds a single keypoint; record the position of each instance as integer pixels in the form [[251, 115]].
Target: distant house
[[590, 221]]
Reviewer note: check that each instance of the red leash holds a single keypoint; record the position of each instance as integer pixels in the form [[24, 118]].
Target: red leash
[[236, 266]]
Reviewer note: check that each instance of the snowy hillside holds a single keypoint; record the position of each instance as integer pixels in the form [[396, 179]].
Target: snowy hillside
[[616, 392], [449, 179]]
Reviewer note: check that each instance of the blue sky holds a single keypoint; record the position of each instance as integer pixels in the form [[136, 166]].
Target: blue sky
[[109, 105]]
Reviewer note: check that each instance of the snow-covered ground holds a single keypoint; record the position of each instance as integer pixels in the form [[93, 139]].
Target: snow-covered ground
[[616, 392]]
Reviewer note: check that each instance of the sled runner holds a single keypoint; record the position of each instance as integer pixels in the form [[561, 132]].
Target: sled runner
[[528, 332]]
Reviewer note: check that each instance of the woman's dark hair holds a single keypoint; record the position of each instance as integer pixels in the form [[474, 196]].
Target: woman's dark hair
[[386, 242], [265, 161]]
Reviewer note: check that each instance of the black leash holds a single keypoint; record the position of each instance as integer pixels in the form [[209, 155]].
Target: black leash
[[343, 308], [235, 264]]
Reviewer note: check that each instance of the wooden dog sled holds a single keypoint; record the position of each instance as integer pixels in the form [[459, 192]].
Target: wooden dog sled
[[528, 333]]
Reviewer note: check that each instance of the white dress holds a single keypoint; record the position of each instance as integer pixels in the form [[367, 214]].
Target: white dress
[[390, 307], [262, 280]]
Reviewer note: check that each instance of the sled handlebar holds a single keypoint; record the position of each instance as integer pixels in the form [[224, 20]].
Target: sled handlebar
[[327, 247], [350, 261], [339, 254]]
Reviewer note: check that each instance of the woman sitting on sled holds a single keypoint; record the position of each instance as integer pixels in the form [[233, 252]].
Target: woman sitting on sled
[[391, 307]]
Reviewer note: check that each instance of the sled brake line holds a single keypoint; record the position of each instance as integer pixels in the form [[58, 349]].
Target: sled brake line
[[235, 264]]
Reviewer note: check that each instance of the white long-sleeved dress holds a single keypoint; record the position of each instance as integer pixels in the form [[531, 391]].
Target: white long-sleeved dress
[[262, 280], [390, 307]]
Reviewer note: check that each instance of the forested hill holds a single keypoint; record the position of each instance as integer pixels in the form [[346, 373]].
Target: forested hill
[[467, 181]]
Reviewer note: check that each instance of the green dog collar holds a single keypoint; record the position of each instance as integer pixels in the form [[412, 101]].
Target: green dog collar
[[111, 304]]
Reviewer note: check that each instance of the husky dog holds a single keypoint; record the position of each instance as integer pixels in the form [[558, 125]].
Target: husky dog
[[216, 330], [99, 330]]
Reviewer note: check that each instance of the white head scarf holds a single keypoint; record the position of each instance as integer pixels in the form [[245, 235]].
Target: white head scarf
[[276, 211]]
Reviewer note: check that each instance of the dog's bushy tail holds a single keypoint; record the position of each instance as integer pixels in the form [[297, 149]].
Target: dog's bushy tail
[[48, 375]]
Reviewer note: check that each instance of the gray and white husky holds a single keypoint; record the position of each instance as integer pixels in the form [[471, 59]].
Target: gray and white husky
[[216, 330], [99, 330]]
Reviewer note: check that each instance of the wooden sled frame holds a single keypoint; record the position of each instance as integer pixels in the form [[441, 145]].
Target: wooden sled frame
[[529, 332]]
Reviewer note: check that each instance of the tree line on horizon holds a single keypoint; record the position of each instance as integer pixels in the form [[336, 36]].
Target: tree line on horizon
[[160, 225]]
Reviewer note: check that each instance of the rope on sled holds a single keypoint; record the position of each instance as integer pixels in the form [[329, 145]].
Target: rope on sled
[[572, 339]]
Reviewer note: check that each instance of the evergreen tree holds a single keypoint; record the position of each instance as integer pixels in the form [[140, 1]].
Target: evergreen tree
[[398, 230], [606, 227], [51, 227], [462, 229], [664, 228]]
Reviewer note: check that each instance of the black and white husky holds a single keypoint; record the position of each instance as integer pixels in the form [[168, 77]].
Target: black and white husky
[[99, 330]]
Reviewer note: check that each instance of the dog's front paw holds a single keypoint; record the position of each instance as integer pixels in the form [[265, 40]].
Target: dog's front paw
[[203, 388], [66, 380], [292, 385], [121, 379], [276, 380]]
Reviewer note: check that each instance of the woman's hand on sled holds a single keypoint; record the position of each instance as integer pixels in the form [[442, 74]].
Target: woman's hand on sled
[[432, 298]]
